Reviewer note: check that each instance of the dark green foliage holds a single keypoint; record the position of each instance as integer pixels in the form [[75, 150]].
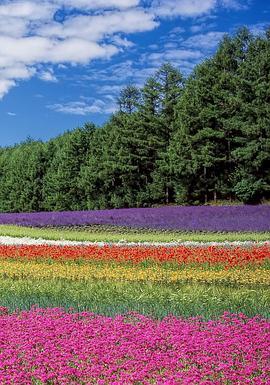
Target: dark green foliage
[[21, 177], [176, 140], [221, 147], [129, 99], [169, 84], [252, 154], [112, 176], [61, 182]]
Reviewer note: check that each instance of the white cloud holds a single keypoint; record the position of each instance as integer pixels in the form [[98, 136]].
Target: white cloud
[[9, 74], [12, 26], [177, 30], [96, 27], [259, 28], [11, 113], [95, 4], [30, 10], [202, 27], [122, 42], [184, 54], [194, 8], [113, 89], [174, 55], [184, 8], [83, 108], [5, 85], [171, 45], [205, 41], [235, 4], [123, 73], [48, 76], [30, 38], [18, 72]]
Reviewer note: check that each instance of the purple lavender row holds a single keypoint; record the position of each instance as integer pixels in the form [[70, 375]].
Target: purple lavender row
[[199, 218]]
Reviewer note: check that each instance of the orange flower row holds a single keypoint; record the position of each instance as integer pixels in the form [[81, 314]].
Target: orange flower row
[[229, 257]]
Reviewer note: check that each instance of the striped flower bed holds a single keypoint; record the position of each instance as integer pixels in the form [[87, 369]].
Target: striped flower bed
[[153, 313], [110, 274]]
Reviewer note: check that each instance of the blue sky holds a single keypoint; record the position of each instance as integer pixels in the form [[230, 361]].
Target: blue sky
[[62, 63]]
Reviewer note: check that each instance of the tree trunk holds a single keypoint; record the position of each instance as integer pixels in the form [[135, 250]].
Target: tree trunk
[[205, 185], [167, 195]]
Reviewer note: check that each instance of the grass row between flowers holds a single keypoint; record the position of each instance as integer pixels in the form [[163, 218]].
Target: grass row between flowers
[[155, 299], [113, 236]]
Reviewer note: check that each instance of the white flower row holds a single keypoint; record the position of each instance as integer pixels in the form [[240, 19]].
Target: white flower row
[[5, 240]]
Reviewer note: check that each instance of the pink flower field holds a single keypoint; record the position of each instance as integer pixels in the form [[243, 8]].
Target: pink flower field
[[64, 348]]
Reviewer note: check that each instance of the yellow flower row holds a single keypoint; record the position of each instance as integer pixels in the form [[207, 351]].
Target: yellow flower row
[[73, 271]]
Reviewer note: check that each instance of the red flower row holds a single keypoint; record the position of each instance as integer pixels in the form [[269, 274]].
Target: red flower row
[[233, 256]]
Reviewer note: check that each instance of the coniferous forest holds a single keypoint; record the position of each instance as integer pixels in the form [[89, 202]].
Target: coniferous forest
[[178, 140]]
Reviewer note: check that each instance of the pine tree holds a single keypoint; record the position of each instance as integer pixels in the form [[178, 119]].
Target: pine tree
[[161, 95], [206, 115], [129, 99], [61, 182], [251, 178], [23, 168]]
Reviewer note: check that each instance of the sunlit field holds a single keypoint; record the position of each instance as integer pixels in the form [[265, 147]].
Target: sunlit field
[[109, 303]]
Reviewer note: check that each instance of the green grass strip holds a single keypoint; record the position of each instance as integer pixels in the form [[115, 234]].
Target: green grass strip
[[157, 300], [107, 236]]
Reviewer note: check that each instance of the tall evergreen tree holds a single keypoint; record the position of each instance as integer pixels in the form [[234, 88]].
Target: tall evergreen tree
[[169, 84], [206, 116], [61, 182], [251, 178], [93, 179], [129, 99], [23, 168]]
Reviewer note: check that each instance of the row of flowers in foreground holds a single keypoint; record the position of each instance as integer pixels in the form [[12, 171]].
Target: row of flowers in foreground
[[124, 272], [229, 257], [59, 348]]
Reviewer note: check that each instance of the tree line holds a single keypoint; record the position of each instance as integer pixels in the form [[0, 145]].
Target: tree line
[[176, 140]]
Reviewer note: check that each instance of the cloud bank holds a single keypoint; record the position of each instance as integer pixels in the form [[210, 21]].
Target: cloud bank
[[36, 35], [32, 36]]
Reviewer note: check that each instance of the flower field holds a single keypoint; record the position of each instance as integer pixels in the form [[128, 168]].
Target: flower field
[[152, 312], [55, 347], [200, 218]]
